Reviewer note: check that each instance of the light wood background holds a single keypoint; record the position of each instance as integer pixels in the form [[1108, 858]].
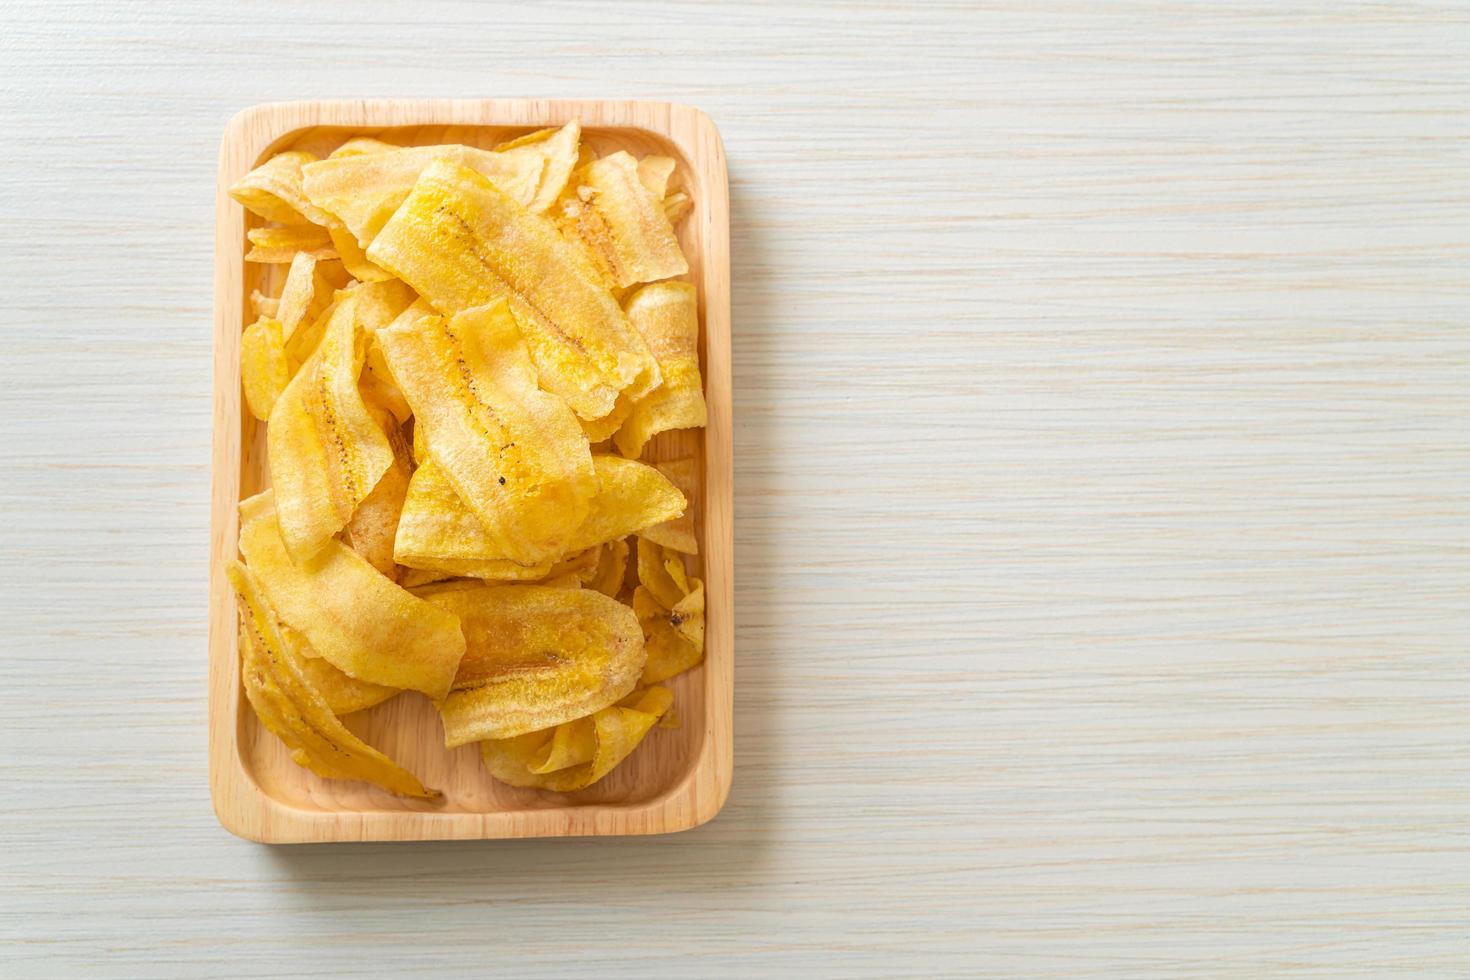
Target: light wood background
[[1103, 495]]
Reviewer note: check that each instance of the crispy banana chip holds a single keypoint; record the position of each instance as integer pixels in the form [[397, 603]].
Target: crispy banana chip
[[263, 305], [326, 452], [380, 303], [557, 151], [514, 454], [599, 430], [612, 568], [670, 651], [263, 369], [438, 531], [273, 191], [354, 258], [654, 173], [678, 533], [461, 242], [278, 246], [662, 573], [287, 704], [666, 314], [374, 524], [343, 693], [623, 225], [536, 656], [363, 190], [356, 618], [359, 145], [577, 754], [308, 291], [677, 207]]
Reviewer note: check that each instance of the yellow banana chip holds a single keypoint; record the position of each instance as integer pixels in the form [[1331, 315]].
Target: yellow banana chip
[[670, 650], [343, 693], [437, 530], [606, 427], [666, 314], [623, 225], [374, 524], [677, 207], [678, 533], [461, 242], [355, 617], [612, 568], [354, 258], [359, 145], [380, 303], [437, 533], [326, 452], [279, 245], [363, 190], [287, 704], [514, 454], [307, 292], [536, 656], [578, 754], [273, 191], [263, 369], [654, 173], [556, 151], [263, 305], [662, 573]]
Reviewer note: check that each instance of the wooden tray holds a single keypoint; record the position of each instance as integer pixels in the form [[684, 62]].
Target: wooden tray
[[679, 777]]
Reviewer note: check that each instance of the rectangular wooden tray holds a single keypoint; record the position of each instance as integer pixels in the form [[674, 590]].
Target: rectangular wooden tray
[[679, 777]]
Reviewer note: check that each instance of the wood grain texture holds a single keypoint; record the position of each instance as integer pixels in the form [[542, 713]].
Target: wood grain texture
[[1102, 495], [679, 777]]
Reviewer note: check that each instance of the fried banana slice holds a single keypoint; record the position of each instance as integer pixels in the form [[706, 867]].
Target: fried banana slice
[[278, 246], [287, 704], [462, 242], [355, 617], [263, 369], [307, 292], [354, 258], [577, 754], [654, 173], [514, 454], [438, 533], [437, 530], [666, 314], [612, 568], [343, 693], [557, 150], [273, 191], [536, 656], [262, 305], [359, 145], [326, 452], [363, 190], [670, 609], [677, 207], [374, 524], [677, 533], [622, 224]]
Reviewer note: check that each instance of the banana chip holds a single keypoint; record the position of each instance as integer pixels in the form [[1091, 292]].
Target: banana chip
[[623, 225], [263, 305], [326, 452], [612, 568], [307, 292], [263, 369], [666, 314], [278, 246], [577, 754], [461, 242], [438, 531], [380, 303], [343, 693], [273, 191], [536, 656], [556, 150], [654, 173], [515, 455], [356, 618], [354, 258], [363, 190], [359, 145], [677, 207], [287, 704], [678, 533], [374, 525]]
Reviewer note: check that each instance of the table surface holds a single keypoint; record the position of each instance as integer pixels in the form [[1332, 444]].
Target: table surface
[[1103, 495]]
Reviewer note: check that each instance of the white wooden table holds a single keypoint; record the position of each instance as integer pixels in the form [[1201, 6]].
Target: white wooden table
[[1103, 499]]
